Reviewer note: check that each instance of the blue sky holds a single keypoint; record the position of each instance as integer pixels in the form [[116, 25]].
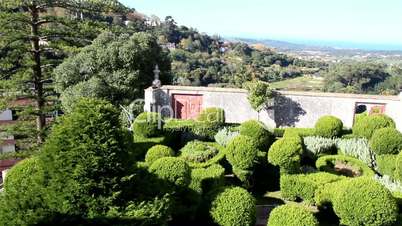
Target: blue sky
[[321, 21]]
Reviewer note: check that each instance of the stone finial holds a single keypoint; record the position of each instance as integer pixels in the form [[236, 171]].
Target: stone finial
[[156, 83]]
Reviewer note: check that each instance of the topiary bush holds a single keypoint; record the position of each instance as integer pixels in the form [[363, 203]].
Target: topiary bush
[[329, 127], [304, 186], [286, 154], [241, 152], [366, 126], [386, 141], [212, 115], [363, 201], [291, 215], [234, 206], [157, 152], [202, 154], [301, 132], [343, 165], [256, 130], [204, 180], [148, 124], [21, 202], [172, 170], [398, 168], [386, 164]]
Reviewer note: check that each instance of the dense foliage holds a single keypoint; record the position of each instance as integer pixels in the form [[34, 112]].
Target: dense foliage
[[148, 124], [292, 215], [343, 165], [259, 95], [386, 141], [212, 115], [241, 152], [258, 132], [286, 154], [368, 125], [173, 170], [329, 126], [157, 152], [234, 206]]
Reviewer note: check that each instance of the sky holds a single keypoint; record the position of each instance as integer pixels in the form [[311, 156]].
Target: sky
[[352, 23]]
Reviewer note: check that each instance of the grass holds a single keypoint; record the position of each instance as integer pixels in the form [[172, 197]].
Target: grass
[[304, 83]]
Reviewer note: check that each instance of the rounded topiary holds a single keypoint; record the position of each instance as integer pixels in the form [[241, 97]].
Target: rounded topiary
[[398, 168], [329, 127], [172, 170], [157, 152], [366, 126], [386, 141], [286, 154], [147, 124], [234, 206], [201, 154], [258, 132], [291, 215], [212, 115], [241, 152], [363, 201]]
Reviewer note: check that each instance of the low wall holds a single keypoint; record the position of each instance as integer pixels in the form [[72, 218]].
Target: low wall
[[291, 109]]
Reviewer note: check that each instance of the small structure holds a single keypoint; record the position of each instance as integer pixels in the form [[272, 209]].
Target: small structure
[[290, 109], [7, 142]]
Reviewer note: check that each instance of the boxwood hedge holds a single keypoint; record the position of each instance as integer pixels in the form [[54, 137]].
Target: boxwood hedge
[[256, 130], [286, 154], [365, 127], [328, 163], [291, 215], [386, 141], [329, 127]]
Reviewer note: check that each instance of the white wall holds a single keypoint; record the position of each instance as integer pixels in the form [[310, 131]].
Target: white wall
[[6, 115]]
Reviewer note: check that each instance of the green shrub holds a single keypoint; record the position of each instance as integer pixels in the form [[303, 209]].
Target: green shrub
[[86, 157], [234, 206], [241, 152], [225, 135], [348, 166], [366, 126], [357, 148], [148, 124], [386, 164], [192, 130], [291, 215], [157, 152], [398, 170], [21, 202], [302, 132], [204, 180], [386, 141], [304, 186], [317, 146], [201, 154], [143, 144], [329, 127], [286, 153], [279, 132], [363, 201], [173, 170], [256, 130], [212, 115]]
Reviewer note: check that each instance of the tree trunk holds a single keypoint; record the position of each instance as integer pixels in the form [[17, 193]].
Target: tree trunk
[[37, 74]]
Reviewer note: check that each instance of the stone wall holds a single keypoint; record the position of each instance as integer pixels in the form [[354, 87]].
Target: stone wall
[[291, 109]]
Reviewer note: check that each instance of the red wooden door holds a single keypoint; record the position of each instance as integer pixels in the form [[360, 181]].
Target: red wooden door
[[187, 106]]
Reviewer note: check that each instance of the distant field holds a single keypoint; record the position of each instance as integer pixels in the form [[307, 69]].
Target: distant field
[[305, 83]]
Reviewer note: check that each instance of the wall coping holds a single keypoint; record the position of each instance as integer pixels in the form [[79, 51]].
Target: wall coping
[[290, 93]]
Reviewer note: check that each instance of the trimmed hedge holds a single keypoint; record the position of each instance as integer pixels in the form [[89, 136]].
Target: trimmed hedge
[[302, 132], [234, 206], [363, 201], [204, 180], [241, 152], [173, 170], [329, 127], [143, 144], [366, 126], [291, 215], [200, 154], [148, 124], [212, 115], [157, 152], [386, 164], [386, 141], [327, 163], [194, 130], [256, 130], [286, 154], [304, 186]]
